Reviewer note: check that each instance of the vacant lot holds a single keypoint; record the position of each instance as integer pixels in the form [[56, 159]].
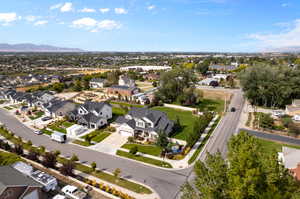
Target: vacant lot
[[187, 120]]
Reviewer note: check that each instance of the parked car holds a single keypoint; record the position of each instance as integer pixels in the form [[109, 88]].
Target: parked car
[[37, 132], [58, 196], [73, 192], [232, 109], [46, 118]]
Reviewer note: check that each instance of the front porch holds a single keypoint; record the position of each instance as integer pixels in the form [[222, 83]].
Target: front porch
[[142, 135]]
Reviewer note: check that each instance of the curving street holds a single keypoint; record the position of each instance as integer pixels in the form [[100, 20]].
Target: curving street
[[165, 182]]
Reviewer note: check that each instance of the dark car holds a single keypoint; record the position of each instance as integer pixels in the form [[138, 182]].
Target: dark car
[[46, 118], [232, 109]]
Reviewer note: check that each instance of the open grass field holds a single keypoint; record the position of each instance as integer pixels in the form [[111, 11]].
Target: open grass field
[[187, 120]]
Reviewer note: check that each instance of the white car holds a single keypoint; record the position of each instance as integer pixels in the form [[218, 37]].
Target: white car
[[73, 192], [296, 118], [37, 132], [58, 196]]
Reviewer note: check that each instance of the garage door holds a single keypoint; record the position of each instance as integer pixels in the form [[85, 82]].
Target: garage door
[[125, 133]]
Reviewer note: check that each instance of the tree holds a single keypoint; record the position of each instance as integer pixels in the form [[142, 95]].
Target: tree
[[293, 129], [33, 155], [67, 168], [88, 138], [162, 140], [249, 172], [49, 160], [74, 158], [42, 148], [77, 86], [117, 172], [94, 166], [18, 149], [57, 153], [266, 121], [133, 150]]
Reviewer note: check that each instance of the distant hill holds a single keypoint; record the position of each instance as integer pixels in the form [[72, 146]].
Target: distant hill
[[289, 49], [28, 47]]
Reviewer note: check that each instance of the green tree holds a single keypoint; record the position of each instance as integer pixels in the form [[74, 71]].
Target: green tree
[[67, 168], [74, 158], [162, 140], [94, 166], [49, 160], [117, 172], [249, 172], [133, 150]]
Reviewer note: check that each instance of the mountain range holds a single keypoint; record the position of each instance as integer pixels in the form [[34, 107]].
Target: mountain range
[[28, 47]]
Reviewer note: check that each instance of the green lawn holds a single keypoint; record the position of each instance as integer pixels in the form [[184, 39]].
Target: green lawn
[[199, 149], [118, 111], [147, 149], [271, 146], [127, 104], [8, 108], [37, 115], [7, 158], [2, 101], [45, 131], [82, 143], [110, 178], [186, 120], [60, 126], [97, 135], [144, 159], [211, 105]]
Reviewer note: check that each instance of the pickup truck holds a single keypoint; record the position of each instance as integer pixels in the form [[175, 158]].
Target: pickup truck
[[73, 192]]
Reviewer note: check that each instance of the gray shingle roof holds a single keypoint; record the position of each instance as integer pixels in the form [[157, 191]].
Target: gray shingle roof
[[11, 177]]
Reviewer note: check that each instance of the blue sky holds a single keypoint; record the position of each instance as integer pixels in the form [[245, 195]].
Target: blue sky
[[153, 25]]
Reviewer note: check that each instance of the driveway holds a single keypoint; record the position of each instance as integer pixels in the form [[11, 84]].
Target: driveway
[[110, 144]]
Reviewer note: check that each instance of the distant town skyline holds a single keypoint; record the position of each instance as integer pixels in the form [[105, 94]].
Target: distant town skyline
[[169, 25]]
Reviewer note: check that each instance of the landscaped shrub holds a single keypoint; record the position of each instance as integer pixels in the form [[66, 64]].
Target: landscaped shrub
[[133, 150]]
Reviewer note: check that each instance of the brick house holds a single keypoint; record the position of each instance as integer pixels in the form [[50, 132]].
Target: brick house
[[123, 92]]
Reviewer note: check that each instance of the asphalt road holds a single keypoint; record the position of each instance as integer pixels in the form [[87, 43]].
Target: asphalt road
[[269, 136], [165, 182]]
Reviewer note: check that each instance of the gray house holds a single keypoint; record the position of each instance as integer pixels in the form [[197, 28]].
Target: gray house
[[92, 114], [58, 108], [144, 122]]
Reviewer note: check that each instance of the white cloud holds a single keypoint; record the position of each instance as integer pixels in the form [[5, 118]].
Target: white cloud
[[151, 7], [7, 18], [95, 26], [67, 7], [104, 10], [290, 36], [31, 18], [89, 10], [40, 23], [285, 5], [120, 11], [85, 22], [56, 6]]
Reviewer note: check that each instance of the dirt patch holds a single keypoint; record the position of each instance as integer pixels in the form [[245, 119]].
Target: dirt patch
[[217, 94]]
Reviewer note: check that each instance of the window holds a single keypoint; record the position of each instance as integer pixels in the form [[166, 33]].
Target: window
[[140, 124]]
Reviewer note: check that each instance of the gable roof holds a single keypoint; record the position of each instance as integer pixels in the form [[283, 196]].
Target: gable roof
[[10, 177], [97, 106]]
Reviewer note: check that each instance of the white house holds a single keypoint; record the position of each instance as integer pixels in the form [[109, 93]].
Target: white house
[[220, 76], [126, 81], [296, 118], [97, 83]]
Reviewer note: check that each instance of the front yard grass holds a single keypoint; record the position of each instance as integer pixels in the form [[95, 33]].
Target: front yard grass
[[144, 159], [60, 126], [147, 149], [47, 132], [97, 135], [110, 178], [187, 120], [216, 105], [271, 146], [8, 108], [36, 115], [82, 143]]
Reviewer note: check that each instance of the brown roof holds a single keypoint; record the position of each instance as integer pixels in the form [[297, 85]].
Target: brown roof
[[296, 172]]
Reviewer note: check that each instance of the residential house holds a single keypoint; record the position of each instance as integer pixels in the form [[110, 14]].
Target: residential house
[[290, 158], [97, 83], [152, 77], [294, 108], [15, 185], [220, 76], [126, 81], [145, 123], [222, 67], [92, 114], [123, 92], [58, 108]]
